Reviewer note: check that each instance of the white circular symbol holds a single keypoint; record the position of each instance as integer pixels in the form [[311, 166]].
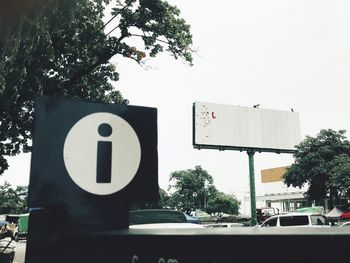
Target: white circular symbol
[[118, 144]]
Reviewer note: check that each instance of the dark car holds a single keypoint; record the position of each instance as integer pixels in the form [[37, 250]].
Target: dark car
[[154, 216], [159, 218]]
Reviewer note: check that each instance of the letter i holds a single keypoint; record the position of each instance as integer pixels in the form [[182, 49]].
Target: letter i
[[104, 155]]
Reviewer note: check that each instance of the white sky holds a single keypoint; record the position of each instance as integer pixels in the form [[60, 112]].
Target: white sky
[[280, 54]]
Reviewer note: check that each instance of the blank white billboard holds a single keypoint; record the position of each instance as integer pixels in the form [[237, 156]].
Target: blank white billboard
[[218, 126]]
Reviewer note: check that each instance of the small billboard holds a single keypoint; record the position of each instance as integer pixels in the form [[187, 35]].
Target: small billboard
[[273, 174], [226, 127]]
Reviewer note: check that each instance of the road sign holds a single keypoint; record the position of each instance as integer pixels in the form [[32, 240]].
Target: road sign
[[92, 152]]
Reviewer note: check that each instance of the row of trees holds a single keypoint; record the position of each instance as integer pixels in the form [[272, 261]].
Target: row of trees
[[193, 189]]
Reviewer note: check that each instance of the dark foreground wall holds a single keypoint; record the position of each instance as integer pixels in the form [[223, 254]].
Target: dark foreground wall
[[198, 245]]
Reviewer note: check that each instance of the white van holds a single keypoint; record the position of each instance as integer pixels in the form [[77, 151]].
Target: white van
[[296, 219]]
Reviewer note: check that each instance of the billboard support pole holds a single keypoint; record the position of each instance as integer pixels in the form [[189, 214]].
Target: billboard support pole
[[252, 187]]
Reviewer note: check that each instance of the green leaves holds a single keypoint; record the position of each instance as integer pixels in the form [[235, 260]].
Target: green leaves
[[12, 200], [340, 177], [190, 188], [159, 26], [321, 163], [59, 48], [223, 203], [194, 189]]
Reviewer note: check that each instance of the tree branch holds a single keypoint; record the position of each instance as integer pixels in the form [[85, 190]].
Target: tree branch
[[85, 71], [157, 39]]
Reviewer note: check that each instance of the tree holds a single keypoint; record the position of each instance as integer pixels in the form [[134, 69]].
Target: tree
[[59, 48], [223, 203], [160, 204], [12, 200], [318, 163], [190, 188], [340, 178]]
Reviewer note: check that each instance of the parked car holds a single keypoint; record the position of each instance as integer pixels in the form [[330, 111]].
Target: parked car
[[296, 219], [159, 219], [265, 212], [224, 225], [166, 226], [346, 224], [203, 216]]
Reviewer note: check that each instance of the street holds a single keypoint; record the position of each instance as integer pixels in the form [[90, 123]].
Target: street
[[20, 251]]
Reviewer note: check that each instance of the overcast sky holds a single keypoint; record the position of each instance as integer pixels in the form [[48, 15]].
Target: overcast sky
[[279, 54]]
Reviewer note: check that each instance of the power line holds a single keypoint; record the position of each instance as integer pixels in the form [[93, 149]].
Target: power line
[[119, 12]]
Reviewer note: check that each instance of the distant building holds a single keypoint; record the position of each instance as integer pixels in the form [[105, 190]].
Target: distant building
[[276, 194]]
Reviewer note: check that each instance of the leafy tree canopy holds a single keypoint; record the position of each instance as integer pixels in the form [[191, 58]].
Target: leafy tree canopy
[[322, 162], [162, 203], [223, 203], [60, 48], [12, 200], [189, 189], [340, 178]]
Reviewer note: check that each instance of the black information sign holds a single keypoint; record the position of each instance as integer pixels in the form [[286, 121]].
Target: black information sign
[[92, 152], [89, 162]]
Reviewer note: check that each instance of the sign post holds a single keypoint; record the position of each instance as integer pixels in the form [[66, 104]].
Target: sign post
[[252, 187]]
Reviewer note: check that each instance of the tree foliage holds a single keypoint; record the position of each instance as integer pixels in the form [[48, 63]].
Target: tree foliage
[[12, 200], [60, 48], [190, 188], [162, 203], [223, 203], [340, 178], [323, 164]]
